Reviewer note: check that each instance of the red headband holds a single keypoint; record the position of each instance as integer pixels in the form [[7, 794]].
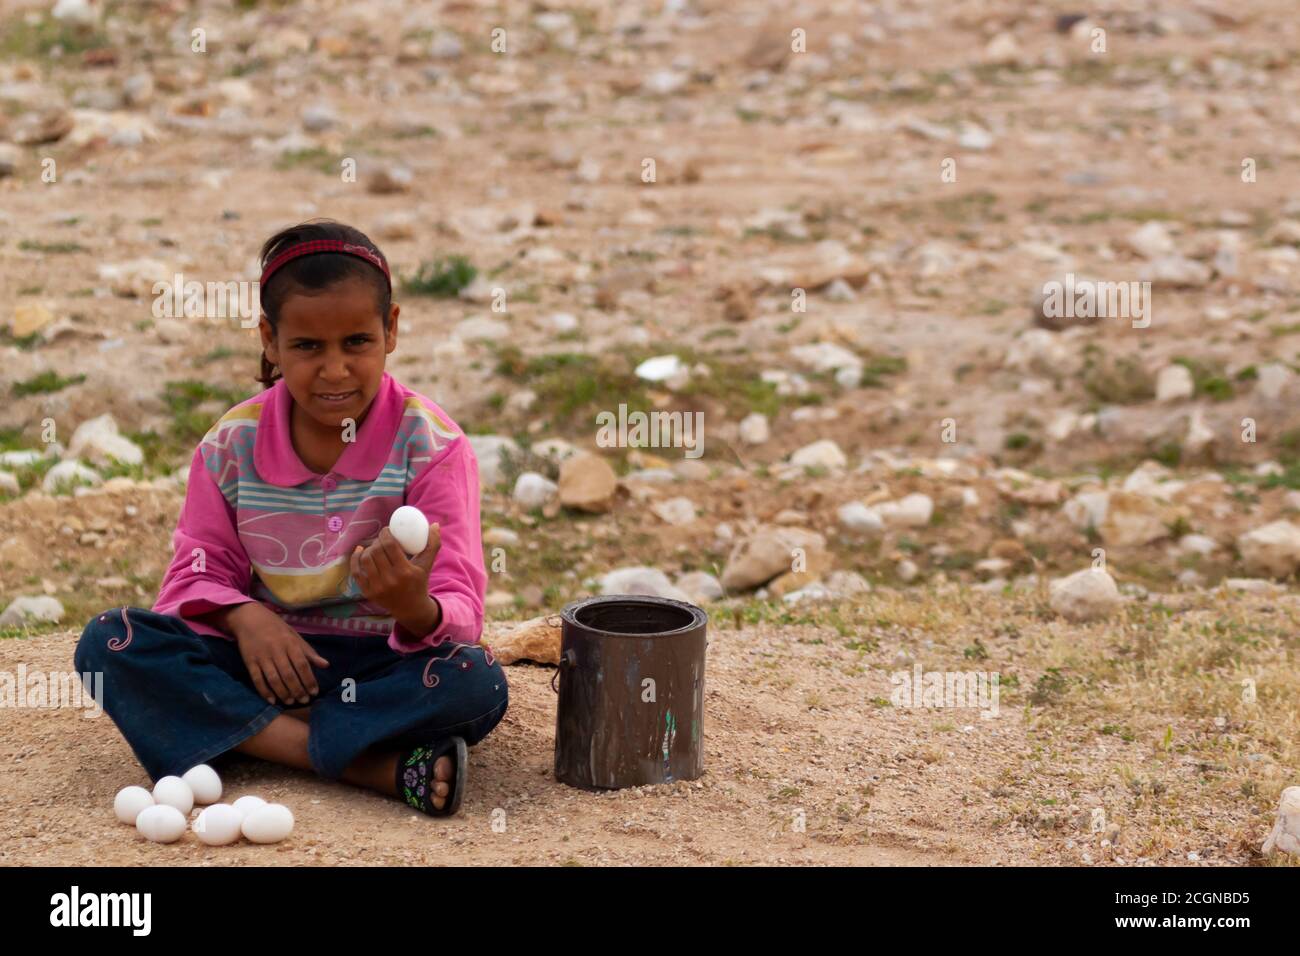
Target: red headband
[[326, 245]]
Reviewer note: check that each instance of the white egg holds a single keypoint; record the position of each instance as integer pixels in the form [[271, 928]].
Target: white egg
[[246, 805], [174, 792], [203, 783], [218, 824], [161, 823], [411, 529], [130, 801], [268, 824]]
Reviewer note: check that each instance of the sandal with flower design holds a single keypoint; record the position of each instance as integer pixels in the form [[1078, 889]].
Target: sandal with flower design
[[415, 776]]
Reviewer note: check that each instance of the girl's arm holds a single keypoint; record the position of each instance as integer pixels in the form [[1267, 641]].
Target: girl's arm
[[447, 492], [210, 570]]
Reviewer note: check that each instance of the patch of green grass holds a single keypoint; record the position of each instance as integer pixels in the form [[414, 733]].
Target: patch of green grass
[[182, 398], [45, 383], [441, 278], [876, 367], [52, 248], [216, 355], [20, 39], [1208, 378], [314, 158], [1122, 380]]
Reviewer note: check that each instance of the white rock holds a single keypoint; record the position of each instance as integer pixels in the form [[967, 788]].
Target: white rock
[[1286, 829], [24, 458], [641, 580], [556, 449], [533, 490], [1274, 379], [846, 583], [1086, 595], [1273, 549], [67, 474], [753, 429], [826, 357], [660, 368], [1151, 241], [98, 440], [562, 322], [1087, 509], [1198, 544], [500, 536], [820, 454], [906, 570], [675, 511], [700, 586], [910, 511], [1199, 435], [856, 516], [31, 609], [1174, 383], [489, 450]]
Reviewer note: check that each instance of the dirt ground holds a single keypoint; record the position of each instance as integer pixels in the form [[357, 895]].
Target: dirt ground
[[805, 760]]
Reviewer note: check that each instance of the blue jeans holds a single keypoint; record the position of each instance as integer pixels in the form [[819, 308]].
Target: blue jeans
[[182, 698]]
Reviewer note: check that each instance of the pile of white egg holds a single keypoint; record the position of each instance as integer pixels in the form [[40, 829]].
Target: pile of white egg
[[160, 815]]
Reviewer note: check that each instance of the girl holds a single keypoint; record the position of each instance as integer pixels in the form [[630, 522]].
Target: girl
[[290, 624]]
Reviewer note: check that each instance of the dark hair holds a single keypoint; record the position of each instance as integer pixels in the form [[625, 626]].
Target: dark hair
[[315, 272]]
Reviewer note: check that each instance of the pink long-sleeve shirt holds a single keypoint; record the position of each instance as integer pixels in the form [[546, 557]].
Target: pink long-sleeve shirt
[[257, 524]]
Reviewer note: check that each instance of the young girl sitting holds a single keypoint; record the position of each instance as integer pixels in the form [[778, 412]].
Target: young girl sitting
[[290, 624]]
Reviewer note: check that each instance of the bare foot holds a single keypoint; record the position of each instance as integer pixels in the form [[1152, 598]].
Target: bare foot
[[441, 776]]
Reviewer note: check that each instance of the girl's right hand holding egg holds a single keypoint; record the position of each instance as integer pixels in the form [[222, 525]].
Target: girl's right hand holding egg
[[278, 659]]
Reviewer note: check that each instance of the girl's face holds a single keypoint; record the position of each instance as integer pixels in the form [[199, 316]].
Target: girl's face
[[332, 343]]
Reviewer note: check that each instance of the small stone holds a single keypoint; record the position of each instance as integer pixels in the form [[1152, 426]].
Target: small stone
[[27, 610], [533, 490], [911, 511], [500, 536], [389, 180], [1272, 549], [1174, 383], [700, 586], [1086, 595], [29, 318], [675, 511], [491, 451], [1285, 835], [587, 483], [858, 517], [772, 550], [754, 429], [99, 441], [820, 454], [641, 580]]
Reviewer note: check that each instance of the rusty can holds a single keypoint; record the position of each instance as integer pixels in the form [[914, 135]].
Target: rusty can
[[631, 692]]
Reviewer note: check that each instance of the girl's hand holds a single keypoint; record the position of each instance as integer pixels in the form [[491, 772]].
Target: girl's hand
[[278, 659], [388, 578]]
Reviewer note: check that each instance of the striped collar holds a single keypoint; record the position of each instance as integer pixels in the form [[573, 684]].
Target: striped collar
[[278, 464]]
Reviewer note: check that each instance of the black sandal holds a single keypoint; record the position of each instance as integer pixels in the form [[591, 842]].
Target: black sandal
[[415, 778]]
